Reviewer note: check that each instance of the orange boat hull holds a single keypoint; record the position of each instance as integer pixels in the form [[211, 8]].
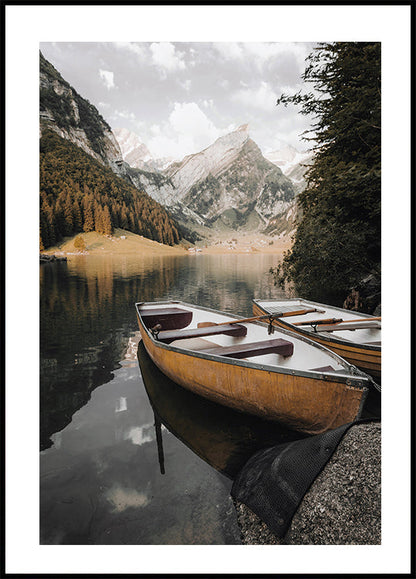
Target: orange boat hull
[[365, 358], [308, 404]]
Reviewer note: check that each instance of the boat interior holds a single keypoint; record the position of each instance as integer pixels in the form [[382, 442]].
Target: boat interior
[[334, 323], [214, 333]]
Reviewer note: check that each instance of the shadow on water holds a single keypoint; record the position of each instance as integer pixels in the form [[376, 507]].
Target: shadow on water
[[222, 437]]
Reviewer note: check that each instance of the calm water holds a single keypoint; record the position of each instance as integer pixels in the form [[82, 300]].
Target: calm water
[[110, 472]]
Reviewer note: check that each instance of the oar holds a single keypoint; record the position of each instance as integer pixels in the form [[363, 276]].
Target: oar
[[264, 317], [356, 321], [313, 322], [335, 321]]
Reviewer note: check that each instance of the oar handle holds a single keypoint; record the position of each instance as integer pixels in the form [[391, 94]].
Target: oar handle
[[375, 319]]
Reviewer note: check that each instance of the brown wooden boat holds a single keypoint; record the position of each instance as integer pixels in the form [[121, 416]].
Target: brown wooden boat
[[224, 438], [235, 362], [354, 336]]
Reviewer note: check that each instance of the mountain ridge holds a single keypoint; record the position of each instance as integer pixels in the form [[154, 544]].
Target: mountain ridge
[[229, 184], [74, 118]]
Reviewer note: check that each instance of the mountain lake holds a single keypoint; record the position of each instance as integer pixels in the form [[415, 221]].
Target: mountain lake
[[111, 472]]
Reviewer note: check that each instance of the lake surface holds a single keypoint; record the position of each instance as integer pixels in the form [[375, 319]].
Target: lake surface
[[127, 456]]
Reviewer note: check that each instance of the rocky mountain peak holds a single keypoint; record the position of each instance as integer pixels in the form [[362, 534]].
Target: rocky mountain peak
[[73, 118]]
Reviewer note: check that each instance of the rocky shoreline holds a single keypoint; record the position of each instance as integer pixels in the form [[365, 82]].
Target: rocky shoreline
[[343, 504], [46, 258]]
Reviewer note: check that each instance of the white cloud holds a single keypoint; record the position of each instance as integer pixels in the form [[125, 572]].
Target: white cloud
[[262, 97], [125, 115], [108, 77], [186, 85], [165, 55], [261, 52], [188, 130], [230, 50], [133, 47], [188, 118], [266, 50]]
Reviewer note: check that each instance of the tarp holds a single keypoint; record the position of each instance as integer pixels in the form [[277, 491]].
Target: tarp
[[274, 481]]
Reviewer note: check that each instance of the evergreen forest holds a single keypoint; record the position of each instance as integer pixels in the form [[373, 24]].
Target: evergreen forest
[[78, 194], [337, 242]]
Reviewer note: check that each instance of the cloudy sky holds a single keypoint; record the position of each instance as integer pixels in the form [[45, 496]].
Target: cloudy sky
[[179, 97]]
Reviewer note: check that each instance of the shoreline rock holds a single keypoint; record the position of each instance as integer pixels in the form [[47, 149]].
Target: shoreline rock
[[366, 296], [342, 506]]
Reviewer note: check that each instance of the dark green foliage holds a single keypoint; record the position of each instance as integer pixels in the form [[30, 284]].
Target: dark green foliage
[[79, 194], [61, 108], [338, 238]]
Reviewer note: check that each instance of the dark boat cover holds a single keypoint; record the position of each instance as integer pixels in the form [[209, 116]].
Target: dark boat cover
[[274, 480]]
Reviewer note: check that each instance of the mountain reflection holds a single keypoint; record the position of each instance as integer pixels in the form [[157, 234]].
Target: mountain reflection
[[222, 437]]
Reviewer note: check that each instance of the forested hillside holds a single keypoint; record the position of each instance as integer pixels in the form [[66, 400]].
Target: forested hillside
[[78, 194], [338, 237]]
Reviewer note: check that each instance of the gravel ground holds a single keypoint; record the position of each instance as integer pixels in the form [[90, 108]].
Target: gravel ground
[[343, 505]]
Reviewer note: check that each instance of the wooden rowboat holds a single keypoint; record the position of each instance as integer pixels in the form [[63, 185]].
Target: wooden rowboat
[[235, 362], [221, 436], [354, 336]]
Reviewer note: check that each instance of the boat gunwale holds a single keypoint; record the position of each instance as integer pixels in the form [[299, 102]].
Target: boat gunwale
[[307, 333], [358, 379]]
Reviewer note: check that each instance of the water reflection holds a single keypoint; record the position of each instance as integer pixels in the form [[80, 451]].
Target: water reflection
[[223, 438], [101, 482], [87, 314], [100, 476]]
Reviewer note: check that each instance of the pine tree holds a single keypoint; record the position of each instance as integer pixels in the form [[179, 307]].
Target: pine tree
[[76, 217], [88, 215], [68, 218], [106, 221], [98, 218], [338, 237], [72, 183]]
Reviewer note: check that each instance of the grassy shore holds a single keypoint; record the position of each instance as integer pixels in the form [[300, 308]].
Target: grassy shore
[[121, 242], [126, 243]]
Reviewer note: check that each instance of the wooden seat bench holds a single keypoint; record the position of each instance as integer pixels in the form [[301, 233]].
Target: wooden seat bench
[[169, 336], [274, 346], [168, 318]]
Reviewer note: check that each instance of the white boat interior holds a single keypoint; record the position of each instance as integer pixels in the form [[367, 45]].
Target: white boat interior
[[364, 333], [306, 355]]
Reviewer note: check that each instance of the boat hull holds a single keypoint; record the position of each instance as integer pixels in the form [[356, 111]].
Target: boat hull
[[310, 404], [366, 358]]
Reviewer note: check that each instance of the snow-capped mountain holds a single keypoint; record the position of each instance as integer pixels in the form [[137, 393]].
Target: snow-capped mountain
[[136, 154], [229, 184], [292, 162], [286, 158]]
